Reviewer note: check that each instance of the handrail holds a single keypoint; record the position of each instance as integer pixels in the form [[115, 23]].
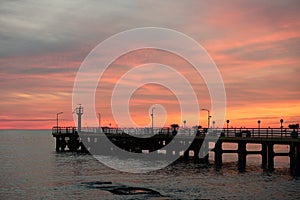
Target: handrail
[[64, 130], [223, 132], [259, 132]]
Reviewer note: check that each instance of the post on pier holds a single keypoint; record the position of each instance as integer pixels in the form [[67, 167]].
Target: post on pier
[[264, 155], [57, 144], [297, 160], [271, 157], [292, 157], [218, 154], [196, 149], [204, 153], [242, 154], [186, 154]]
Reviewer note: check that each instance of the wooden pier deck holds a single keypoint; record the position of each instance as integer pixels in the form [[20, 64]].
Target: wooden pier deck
[[67, 137]]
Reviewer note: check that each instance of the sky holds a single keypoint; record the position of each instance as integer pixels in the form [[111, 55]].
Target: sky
[[254, 43]]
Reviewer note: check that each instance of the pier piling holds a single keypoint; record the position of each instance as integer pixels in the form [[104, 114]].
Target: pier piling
[[242, 153], [218, 154], [264, 155], [271, 157]]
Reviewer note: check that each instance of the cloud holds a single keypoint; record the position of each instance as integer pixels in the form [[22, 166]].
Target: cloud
[[254, 43]]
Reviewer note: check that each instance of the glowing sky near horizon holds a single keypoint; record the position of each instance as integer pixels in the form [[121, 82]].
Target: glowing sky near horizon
[[254, 43]]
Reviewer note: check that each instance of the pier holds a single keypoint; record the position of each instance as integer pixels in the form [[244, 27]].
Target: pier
[[67, 138]]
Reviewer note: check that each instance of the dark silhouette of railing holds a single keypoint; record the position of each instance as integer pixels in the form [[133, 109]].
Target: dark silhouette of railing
[[278, 133], [64, 130]]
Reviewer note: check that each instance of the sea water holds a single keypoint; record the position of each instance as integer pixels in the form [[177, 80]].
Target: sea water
[[31, 169]]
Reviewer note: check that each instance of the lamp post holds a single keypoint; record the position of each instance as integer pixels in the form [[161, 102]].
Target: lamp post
[[227, 121], [152, 116], [281, 121], [57, 120], [214, 124], [258, 122], [99, 118], [184, 122], [208, 117]]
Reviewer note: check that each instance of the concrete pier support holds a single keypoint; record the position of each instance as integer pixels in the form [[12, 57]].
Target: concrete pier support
[[294, 155], [196, 153], [203, 154], [218, 154], [195, 147], [271, 157], [206, 152], [264, 156], [186, 154], [242, 154], [297, 160], [57, 144], [60, 144]]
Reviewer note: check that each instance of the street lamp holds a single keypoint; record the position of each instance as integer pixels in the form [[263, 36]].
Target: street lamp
[[214, 124], [99, 118], [184, 122], [227, 121], [208, 117], [57, 119], [258, 122], [152, 116], [281, 121]]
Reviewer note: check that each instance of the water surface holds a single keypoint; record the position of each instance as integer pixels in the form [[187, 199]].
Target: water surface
[[31, 169]]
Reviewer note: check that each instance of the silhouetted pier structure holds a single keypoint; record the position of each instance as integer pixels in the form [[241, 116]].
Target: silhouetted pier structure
[[265, 137], [67, 137]]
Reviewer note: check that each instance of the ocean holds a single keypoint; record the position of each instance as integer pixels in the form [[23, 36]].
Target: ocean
[[31, 169]]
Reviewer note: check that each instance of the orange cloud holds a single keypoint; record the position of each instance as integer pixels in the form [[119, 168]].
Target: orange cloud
[[255, 44]]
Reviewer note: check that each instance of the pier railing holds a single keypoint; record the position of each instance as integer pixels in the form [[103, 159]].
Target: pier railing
[[137, 131], [278, 133], [258, 132], [222, 132], [64, 130]]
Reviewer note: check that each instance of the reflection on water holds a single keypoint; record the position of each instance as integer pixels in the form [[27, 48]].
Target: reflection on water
[[31, 169]]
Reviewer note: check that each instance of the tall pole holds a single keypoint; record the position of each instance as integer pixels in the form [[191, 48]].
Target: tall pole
[[227, 121], [208, 117], [281, 121], [79, 112], [99, 118], [152, 116], [57, 119], [258, 127]]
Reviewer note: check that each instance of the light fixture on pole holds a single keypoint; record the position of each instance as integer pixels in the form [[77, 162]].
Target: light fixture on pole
[[227, 121], [258, 122], [184, 122], [208, 117], [152, 116], [99, 118], [281, 121], [57, 119]]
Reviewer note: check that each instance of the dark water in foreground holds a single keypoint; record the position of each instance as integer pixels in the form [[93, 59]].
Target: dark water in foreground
[[31, 169]]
